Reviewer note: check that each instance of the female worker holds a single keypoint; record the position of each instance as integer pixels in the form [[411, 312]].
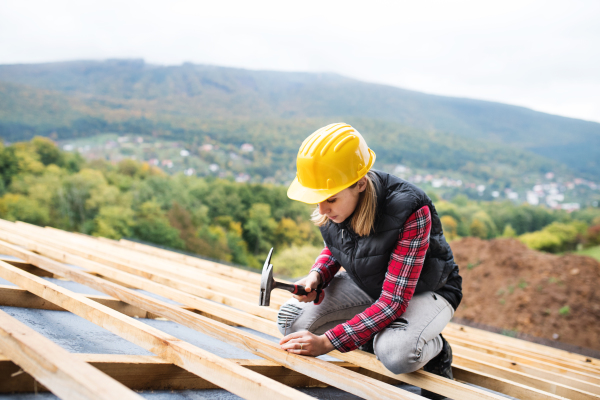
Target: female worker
[[400, 286]]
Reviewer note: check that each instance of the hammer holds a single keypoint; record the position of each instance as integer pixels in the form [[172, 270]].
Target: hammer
[[267, 283]]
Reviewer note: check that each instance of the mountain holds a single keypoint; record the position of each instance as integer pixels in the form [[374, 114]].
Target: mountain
[[85, 97]]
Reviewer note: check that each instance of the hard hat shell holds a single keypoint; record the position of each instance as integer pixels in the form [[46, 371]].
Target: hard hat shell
[[331, 159]]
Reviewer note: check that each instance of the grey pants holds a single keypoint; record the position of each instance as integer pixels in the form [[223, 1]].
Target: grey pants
[[406, 345]]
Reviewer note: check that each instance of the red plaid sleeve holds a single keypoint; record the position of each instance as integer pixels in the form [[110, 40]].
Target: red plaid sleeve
[[401, 279], [326, 265]]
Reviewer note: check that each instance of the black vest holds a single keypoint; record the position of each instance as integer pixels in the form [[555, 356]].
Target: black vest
[[366, 258]]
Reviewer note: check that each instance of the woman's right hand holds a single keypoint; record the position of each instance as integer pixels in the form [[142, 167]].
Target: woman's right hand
[[310, 283]]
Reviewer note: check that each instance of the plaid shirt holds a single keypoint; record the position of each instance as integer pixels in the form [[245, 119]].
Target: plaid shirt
[[401, 279]]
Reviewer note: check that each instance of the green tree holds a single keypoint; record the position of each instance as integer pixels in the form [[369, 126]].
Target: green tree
[[509, 232], [449, 226], [114, 222], [541, 240], [295, 261], [478, 229], [259, 229], [47, 151], [153, 226], [9, 166], [287, 232], [16, 207]]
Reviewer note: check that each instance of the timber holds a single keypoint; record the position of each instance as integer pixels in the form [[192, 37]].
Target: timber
[[419, 378], [162, 278], [221, 372], [11, 296], [150, 338], [154, 373], [481, 358], [189, 300], [62, 373]]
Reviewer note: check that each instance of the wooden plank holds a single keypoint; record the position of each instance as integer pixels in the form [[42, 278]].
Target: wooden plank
[[12, 296], [516, 359], [522, 378], [420, 378], [592, 385], [222, 269], [163, 278], [218, 279], [415, 379], [497, 384], [153, 373], [217, 370], [441, 385], [189, 300], [32, 269], [349, 381], [526, 346], [62, 373], [570, 364], [545, 376]]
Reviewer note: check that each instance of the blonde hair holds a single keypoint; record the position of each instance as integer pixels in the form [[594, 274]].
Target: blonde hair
[[363, 218]]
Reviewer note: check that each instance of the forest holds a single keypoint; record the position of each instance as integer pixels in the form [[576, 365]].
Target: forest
[[225, 220]]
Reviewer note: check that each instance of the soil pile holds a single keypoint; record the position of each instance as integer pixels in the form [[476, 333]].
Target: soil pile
[[509, 286]]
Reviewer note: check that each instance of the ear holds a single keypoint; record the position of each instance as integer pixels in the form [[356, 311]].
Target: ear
[[362, 184]]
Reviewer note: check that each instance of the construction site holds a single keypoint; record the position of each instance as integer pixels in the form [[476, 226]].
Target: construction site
[[92, 318]]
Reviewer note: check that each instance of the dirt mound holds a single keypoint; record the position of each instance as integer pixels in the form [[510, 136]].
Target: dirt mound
[[509, 286]]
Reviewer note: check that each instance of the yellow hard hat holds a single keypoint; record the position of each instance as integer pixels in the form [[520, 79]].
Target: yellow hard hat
[[331, 159]]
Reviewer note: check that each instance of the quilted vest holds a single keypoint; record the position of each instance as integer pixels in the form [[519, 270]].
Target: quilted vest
[[366, 258]]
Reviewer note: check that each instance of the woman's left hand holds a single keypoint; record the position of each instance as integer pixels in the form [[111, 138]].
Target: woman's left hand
[[306, 344]]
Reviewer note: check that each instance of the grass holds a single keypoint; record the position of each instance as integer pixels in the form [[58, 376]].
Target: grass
[[564, 310], [593, 252]]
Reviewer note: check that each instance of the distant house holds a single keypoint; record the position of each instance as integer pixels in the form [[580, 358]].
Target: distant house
[[247, 148]]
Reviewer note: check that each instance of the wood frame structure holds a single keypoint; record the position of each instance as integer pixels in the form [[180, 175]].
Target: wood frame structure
[[214, 303]]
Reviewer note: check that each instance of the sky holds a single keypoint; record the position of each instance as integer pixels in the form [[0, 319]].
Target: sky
[[544, 55]]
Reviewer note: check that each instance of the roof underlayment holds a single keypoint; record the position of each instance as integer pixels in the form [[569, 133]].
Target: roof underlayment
[[95, 318]]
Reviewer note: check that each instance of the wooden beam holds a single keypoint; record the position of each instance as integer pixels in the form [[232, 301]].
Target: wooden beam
[[62, 373], [217, 370], [259, 346], [505, 386], [441, 385], [523, 378], [526, 346], [349, 381], [153, 373], [163, 278], [13, 296], [583, 383], [419, 378], [32, 269], [519, 361], [193, 274], [570, 364], [204, 305]]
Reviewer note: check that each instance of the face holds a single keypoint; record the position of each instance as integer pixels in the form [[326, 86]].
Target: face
[[341, 205]]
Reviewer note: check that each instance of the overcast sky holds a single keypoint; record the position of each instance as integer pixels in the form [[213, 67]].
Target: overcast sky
[[540, 54]]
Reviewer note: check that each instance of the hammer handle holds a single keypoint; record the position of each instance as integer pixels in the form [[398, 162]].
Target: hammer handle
[[300, 291]]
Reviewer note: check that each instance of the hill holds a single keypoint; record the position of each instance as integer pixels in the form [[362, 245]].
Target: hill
[[189, 101]]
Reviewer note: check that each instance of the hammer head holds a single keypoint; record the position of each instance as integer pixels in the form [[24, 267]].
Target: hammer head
[[266, 282]]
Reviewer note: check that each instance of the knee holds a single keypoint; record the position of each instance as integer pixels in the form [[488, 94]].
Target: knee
[[399, 359]]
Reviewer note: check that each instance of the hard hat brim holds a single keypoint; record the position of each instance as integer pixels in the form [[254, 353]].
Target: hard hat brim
[[313, 196]]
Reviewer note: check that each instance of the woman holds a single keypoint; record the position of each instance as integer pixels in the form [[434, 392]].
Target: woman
[[400, 284]]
